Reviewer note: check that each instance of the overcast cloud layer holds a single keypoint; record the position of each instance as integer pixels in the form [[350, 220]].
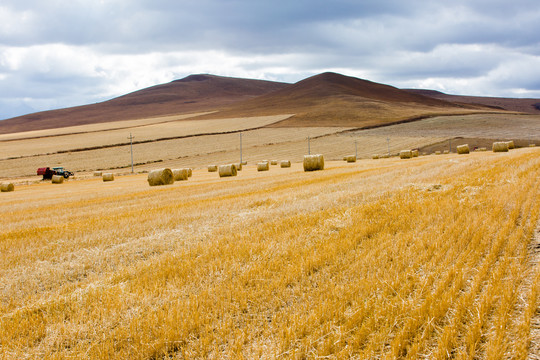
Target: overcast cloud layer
[[60, 53]]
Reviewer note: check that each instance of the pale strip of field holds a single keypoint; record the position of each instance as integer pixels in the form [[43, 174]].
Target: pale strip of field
[[267, 143], [197, 152], [388, 258], [142, 132], [481, 126], [124, 124]]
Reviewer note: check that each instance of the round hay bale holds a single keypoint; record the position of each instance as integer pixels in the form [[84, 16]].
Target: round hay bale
[[98, 173], [285, 164], [463, 149], [227, 170], [510, 144], [190, 172], [350, 158], [180, 174], [375, 156], [437, 152], [313, 162], [238, 166], [57, 179], [160, 177], [108, 177], [532, 145], [405, 154], [446, 152], [500, 146], [415, 153], [273, 162], [212, 168], [7, 187], [263, 166]]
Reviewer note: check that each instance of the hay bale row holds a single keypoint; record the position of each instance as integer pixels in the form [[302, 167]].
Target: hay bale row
[[375, 156], [158, 177], [405, 154], [415, 153], [180, 174], [7, 187], [510, 144], [98, 173], [349, 158], [227, 170], [57, 179], [313, 162], [285, 164], [108, 177], [273, 162], [263, 166], [212, 168], [500, 146], [463, 149]]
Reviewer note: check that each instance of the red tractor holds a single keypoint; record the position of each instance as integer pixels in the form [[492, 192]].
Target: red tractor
[[48, 172]]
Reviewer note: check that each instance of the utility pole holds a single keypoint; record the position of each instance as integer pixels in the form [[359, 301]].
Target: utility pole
[[240, 147], [131, 146], [308, 146]]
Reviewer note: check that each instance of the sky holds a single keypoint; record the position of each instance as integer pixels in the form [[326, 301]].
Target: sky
[[61, 53]]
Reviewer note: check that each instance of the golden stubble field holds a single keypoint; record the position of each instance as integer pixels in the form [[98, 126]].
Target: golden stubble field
[[428, 258]]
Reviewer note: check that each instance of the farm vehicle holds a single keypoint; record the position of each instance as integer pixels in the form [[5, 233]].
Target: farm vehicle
[[48, 172]]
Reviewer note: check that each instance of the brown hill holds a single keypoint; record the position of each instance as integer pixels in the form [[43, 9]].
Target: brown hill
[[331, 99], [528, 106], [194, 93], [327, 99]]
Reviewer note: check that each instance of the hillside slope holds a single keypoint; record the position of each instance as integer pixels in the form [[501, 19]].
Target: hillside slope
[[528, 106], [194, 93], [331, 99]]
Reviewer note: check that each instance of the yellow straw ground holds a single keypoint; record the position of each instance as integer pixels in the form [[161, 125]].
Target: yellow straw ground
[[420, 258]]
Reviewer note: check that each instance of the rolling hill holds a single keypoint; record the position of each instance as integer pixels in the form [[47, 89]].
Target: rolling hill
[[194, 93], [327, 99], [331, 99]]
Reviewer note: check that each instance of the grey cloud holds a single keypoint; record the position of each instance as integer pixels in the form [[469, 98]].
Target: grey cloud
[[392, 41]]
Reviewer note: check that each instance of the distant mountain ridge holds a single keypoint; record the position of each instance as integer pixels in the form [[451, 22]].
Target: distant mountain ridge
[[327, 99], [194, 93]]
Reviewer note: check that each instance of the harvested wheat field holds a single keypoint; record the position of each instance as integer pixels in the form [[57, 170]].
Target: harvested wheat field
[[429, 258], [116, 134]]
